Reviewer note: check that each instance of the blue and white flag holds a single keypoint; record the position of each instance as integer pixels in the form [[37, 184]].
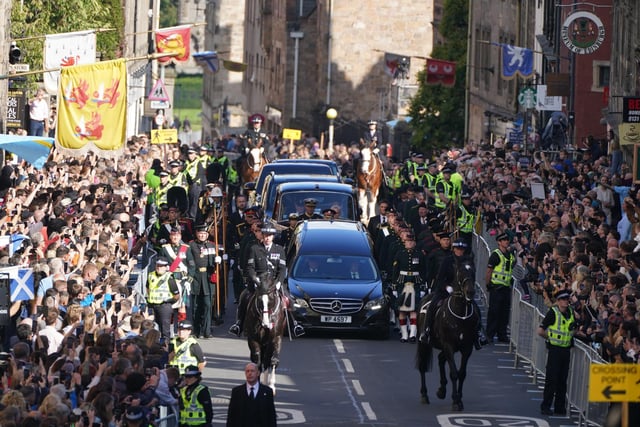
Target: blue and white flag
[[516, 60], [209, 59], [21, 283]]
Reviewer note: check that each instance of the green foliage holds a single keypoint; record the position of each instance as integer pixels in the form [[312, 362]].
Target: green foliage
[[438, 111], [168, 13], [37, 18], [188, 92]]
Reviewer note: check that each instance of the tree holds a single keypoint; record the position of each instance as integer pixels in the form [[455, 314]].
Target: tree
[[437, 112], [37, 18], [168, 13]]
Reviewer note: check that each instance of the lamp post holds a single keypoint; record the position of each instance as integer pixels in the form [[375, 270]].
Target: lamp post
[[332, 113]]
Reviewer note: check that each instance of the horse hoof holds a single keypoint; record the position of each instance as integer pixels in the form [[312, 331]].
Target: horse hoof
[[457, 407], [441, 393], [424, 400]]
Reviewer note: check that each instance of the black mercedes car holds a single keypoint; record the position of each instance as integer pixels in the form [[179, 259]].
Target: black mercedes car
[[334, 280]]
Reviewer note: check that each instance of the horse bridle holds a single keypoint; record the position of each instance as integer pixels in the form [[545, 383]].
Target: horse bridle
[[459, 293]]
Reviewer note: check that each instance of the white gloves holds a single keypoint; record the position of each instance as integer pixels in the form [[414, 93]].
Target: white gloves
[[449, 289], [225, 257], [218, 259], [278, 286]]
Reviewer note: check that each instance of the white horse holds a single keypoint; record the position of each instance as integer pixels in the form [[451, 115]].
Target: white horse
[[369, 179]]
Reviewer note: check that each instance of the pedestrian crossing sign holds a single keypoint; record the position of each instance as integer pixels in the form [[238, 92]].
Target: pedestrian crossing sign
[[159, 92]]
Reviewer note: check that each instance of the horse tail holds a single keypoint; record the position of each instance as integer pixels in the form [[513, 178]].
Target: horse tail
[[424, 357]]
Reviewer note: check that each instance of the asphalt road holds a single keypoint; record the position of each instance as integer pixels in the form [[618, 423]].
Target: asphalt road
[[344, 380]]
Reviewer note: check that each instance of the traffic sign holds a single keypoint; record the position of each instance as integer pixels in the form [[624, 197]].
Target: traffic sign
[[294, 134], [159, 92], [616, 382], [159, 105], [19, 68], [164, 136]]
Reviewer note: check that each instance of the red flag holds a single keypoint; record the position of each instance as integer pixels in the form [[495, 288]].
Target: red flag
[[174, 40], [441, 72]]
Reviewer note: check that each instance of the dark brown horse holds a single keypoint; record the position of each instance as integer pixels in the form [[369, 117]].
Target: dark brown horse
[[265, 341], [370, 178], [454, 331]]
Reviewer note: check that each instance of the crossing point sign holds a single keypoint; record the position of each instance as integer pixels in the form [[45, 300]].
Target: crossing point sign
[[159, 92], [616, 382]]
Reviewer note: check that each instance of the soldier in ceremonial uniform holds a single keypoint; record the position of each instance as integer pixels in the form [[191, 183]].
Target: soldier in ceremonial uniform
[[309, 210], [203, 291], [158, 232], [408, 272], [181, 266]]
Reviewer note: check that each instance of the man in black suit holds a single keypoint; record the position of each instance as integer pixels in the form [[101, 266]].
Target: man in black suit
[[376, 220], [251, 403]]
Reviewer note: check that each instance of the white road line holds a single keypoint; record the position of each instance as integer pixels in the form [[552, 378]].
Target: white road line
[[368, 411], [348, 366], [339, 346], [357, 387]]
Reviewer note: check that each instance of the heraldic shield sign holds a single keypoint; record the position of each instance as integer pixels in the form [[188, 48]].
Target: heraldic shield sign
[[582, 32]]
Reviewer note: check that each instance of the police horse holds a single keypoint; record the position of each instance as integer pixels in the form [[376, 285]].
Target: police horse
[[265, 341], [369, 179], [454, 331]]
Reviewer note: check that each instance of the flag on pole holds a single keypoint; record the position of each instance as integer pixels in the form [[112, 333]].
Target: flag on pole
[[440, 72], [234, 66], [65, 50], [209, 59], [92, 107], [33, 149], [21, 283], [516, 60], [174, 40]]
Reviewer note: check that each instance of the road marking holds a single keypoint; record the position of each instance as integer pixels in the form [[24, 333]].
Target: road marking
[[348, 366], [358, 388], [349, 390], [465, 420], [339, 346], [368, 411]]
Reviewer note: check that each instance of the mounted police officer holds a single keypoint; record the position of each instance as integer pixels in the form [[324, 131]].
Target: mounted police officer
[[196, 409], [203, 290], [372, 137], [186, 350], [162, 293]]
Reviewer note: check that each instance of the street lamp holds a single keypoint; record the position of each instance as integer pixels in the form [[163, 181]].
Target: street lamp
[[332, 113]]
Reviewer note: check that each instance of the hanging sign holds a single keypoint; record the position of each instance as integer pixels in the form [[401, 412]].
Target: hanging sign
[[582, 32]]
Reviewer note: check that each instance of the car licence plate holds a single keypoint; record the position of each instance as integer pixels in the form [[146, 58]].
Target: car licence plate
[[335, 319]]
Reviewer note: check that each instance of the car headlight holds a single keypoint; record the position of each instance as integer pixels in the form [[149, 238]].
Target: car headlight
[[300, 303], [375, 304]]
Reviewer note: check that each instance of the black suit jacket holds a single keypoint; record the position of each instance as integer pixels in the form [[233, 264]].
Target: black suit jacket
[[372, 227], [246, 412]]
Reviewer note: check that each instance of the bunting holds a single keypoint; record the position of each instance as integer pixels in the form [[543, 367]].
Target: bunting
[[65, 50], [92, 107], [175, 40], [516, 61], [440, 72]]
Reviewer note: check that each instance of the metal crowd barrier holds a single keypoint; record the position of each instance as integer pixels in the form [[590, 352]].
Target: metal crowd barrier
[[528, 347]]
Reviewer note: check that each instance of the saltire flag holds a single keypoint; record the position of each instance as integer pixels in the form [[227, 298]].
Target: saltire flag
[[21, 283], [516, 60], [175, 40], [33, 149], [209, 59], [440, 72], [65, 50], [92, 107]]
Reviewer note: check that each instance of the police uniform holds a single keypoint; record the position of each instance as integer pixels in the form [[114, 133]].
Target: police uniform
[[266, 261], [194, 172], [203, 291], [466, 221], [186, 352], [557, 327], [444, 187], [162, 291], [196, 408], [499, 286]]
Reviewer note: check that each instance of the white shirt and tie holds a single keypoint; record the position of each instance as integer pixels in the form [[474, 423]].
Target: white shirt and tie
[[252, 390]]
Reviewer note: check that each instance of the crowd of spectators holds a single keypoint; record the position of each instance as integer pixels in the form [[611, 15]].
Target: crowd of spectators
[[85, 349]]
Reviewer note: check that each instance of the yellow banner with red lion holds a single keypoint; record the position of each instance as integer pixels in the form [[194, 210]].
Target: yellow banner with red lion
[[92, 107]]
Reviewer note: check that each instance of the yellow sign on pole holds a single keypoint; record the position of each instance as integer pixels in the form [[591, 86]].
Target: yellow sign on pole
[[164, 136], [617, 382], [294, 134]]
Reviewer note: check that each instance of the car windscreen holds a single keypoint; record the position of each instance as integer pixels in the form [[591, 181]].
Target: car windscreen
[[345, 268], [293, 202]]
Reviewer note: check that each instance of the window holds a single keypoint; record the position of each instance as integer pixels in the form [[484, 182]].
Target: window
[[601, 71]]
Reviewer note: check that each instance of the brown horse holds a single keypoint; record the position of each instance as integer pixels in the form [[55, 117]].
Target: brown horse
[[251, 165], [369, 178], [265, 341]]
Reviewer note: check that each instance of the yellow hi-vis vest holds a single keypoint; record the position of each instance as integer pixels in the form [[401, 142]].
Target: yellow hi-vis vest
[[161, 194], [466, 221], [192, 412], [396, 179], [431, 182], [448, 192], [233, 175], [182, 356], [159, 290], [501, 274], [560, 332], [191, 169]]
